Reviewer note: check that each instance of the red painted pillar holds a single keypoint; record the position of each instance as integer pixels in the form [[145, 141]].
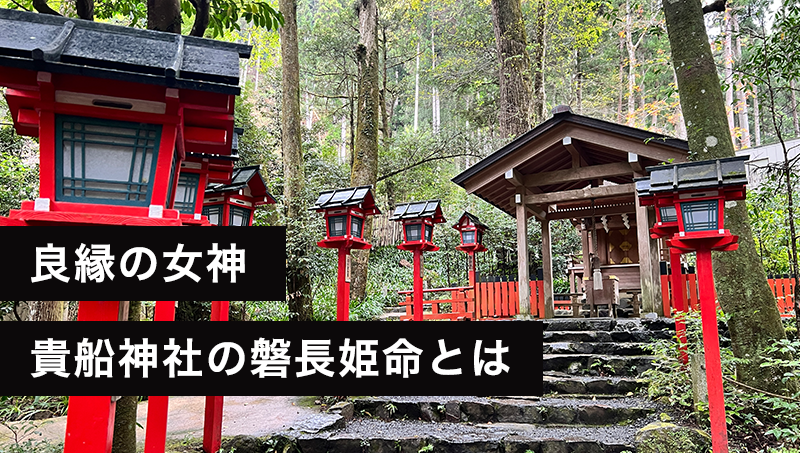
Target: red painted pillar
[[343, 287], [212, 427], [471, 272], [708, 310], [679, 299], [98, 310], [90, 424], [156, 435], [165, 310], [220, 310], [418, 285], [471, 276]]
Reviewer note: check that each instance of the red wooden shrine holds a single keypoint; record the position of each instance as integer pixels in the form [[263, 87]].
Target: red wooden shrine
[[418, 219], [116, 110], [197, 172], [346, 211], [692, 197]]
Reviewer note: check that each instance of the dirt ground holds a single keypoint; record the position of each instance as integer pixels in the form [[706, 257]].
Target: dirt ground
[[250, 415]]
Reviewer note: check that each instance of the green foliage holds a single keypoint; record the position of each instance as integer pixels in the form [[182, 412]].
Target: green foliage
[[19, 177], [767, 208], [757, 421], [17, 417], [224, 15]]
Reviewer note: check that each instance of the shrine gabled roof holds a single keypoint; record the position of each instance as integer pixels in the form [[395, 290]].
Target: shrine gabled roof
[[241, 178], [58, 44], [475, 221], [705, 174], [418, 210], [352, 196], [565, 155]]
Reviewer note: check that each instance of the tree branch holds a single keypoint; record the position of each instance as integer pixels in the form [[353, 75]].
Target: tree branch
[[16, 3], [718, 6], [425, 161], [85, 9], [42, 7], [202, 8], [775, 395]]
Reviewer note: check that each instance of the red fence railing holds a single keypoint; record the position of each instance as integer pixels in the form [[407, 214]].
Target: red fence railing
[[498, 297], [782, 288]]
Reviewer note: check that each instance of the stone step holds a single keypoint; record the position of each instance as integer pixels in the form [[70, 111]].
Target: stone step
[[635, 336], [413, 436], [565, 384], [530, 410], [609, 324], [569, 347], [597, 364], [591, 385]]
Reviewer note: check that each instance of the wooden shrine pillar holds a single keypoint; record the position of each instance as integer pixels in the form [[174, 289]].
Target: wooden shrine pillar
[[586, 246], [165, 310], [90, 424], [156, 433], [547, 269], [522, 258], [99, 310], [648, 262], [212, 424]]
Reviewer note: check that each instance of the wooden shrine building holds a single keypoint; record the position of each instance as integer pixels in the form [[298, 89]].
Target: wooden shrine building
[[580, 168]]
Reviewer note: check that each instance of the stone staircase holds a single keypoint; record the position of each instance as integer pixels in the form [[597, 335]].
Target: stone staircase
[[591, 404]]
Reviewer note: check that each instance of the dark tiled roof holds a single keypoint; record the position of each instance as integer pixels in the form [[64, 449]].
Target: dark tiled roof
[[351, 196], [239, 180], [566, 116], [474, 220], [694, 175], [418, 209], [62, 45]]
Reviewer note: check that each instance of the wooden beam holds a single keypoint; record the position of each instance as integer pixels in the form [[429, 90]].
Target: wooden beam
[[524, 288], [651, 149], [651, 294], [537, 211], [573, 151], [587, 212], [514, 177], [547, 270], [633, 161], [577, 174], [581, 194]]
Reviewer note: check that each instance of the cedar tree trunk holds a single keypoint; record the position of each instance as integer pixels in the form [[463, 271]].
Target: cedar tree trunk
[[125, 425], [164, 15], [741, 283], [365, 157], [298, 281], [49, 310], [515, 68]]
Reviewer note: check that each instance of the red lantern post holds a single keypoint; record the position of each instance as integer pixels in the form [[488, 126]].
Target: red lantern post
[[695, 193], [418, 219], [471, 231], [114, 123], [346, 211]]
